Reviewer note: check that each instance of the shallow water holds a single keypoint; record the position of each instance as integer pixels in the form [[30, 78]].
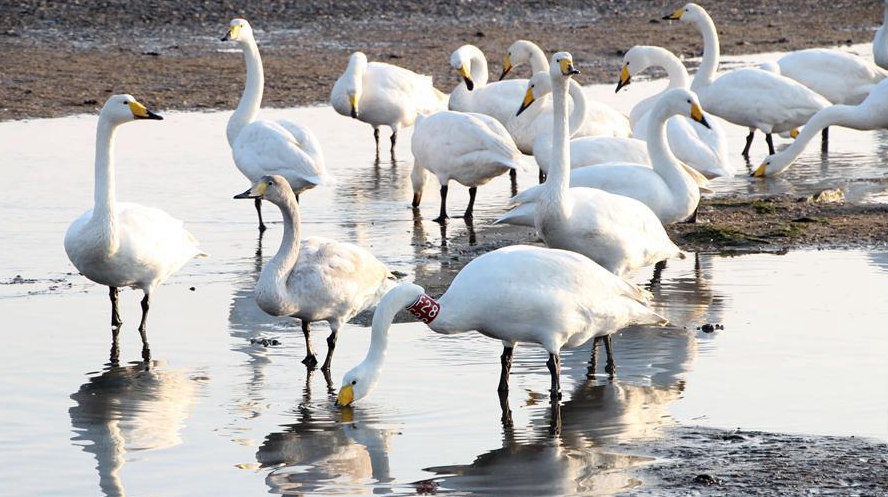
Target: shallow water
[[802, 350]]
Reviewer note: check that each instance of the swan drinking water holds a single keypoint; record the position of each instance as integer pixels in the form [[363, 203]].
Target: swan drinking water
[[125, 244]]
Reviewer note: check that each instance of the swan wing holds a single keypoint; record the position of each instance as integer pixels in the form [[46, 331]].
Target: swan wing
[[267, 147]]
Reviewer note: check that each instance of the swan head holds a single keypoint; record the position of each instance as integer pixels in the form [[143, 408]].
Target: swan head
[[636, 60], [357, 64], [360, 380], [773, 164], [273, 188], [562, 66], [683, 102], [461, 61], [419, 176], [691, 12], [239, 30], [538, 86], [519, 53], [121, 109]]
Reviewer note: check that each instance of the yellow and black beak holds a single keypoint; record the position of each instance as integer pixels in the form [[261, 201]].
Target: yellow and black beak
[[257, 191], [567, 67], [674, 16], [346, 396], [794, 133], [353, 102], [232, 33], [140, 112], [697, 115], [625, 78], [527, 102], [507, 67], [760, 171], [467, 77]]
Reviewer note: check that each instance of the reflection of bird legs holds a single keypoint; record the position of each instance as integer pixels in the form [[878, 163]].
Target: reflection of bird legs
[[555, 418], [658, 271], [506, 417], [470, 227]]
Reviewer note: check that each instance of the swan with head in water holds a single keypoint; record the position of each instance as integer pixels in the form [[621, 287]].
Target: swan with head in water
[[260, 147], [383, 94], [704, 148], [667, 187], [316, 279], [553, 298], [125, 244], [872, 113], [466, 147], [751, 98], [618, 232]]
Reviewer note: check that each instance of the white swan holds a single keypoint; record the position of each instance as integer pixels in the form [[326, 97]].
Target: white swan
[[880, 42], [620, 233], [498, 100], [703, 148], [595, 119], [261, 148], [466, 147], [382, 94], [752, 98], [670, 189], [872, 113], [125, 244], [316, 279], [549, 297]]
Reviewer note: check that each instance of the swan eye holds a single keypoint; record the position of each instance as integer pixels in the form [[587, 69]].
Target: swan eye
[[354, 382]]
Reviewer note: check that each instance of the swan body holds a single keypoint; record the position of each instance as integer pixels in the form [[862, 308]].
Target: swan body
[[263, 148], [553, 298], [703, 148], [125, 244], [591, 150], [752, 98], [466, 147], [317, 279], [498, 100], [667, 187], [383, 94], [840, 77], [872, 113], [619, 233], [880, 42]]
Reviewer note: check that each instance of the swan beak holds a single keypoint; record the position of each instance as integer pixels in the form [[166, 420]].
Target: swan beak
[[675, 15], [416, 199], [257, 191], [528, 100], [759, 172], [625, 78], [697, 115], [346, 396], [140, 112], [567, 67], [466, 77], [507, 67], [232, 33], [794, 133], [353, 102]]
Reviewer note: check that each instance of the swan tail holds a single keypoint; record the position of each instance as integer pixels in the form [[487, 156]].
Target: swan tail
[[527, 196], [523, 215]]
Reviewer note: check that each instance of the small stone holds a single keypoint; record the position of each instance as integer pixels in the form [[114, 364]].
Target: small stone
[[827, 196], [707, 480], [707, 328], [191, 288]]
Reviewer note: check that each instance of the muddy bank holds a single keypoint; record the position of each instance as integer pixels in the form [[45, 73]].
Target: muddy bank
[[702, 461], [64, 58]]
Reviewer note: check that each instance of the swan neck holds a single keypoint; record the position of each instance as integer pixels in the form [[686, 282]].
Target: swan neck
[[538, 61], [558, 180], [578, 113], [251, 99], [478, 69], [842, 115], [397, 299], [281, 264], [663, 160], [711, 53], [675, 71], [104, 212]]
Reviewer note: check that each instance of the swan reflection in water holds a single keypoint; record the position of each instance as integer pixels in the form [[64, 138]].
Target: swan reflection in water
[[326, 450], [127, 409]]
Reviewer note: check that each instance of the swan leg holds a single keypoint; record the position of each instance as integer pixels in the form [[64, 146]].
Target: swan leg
[[311, 360], [442, 217], [770, 141], [824, 140], [513, 174], [749, 137], [331, 346], [693, 217], [554, 365], [376, 137], [115, 314], [143, 329], [258, 204], [394, 140], [506, 362], [593, 359], [472, 192], [610, 368]]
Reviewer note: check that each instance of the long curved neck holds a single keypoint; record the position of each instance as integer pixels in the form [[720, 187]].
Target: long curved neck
[[538, 61], [578, 113], [478, 69], [711, 53], [841, 115], [278, 269], [395, 300], [104, 211], [675, 70], [555, 190], [663, 160], [248, 108]]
